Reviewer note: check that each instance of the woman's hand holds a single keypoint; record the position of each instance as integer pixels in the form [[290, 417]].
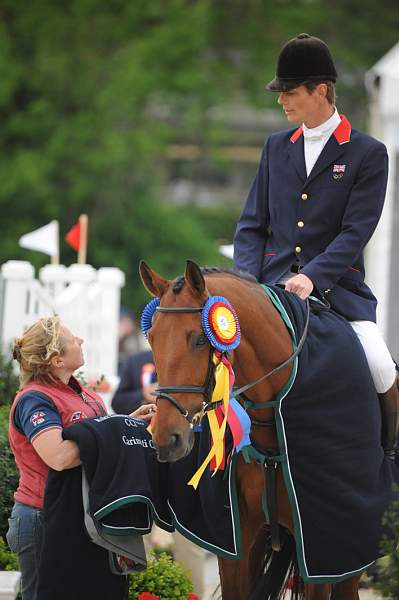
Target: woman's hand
[[145, 412]]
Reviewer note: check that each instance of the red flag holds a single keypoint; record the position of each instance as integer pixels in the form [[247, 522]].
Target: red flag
[[73, 237]]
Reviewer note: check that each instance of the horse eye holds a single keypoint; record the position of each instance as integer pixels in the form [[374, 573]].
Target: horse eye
[[201, 340]]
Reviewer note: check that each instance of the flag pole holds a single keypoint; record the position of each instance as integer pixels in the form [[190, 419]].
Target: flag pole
[[55, 259], [83, 226]]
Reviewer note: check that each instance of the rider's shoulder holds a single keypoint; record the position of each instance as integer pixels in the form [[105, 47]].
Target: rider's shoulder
[[279, 139]]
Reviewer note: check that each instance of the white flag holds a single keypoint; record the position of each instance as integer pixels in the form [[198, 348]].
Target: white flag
[[44, 239], [227, 250]]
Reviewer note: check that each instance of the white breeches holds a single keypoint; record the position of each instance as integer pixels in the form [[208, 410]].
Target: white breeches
[[378, 356]]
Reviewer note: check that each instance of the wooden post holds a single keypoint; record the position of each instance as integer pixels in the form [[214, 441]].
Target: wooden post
[[83, 227]]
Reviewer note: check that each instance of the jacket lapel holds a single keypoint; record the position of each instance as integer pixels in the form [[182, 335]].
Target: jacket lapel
[[297, 154], [334, 148], [330, 153]]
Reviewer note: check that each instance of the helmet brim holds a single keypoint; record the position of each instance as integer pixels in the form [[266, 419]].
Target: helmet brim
[[283, 85]]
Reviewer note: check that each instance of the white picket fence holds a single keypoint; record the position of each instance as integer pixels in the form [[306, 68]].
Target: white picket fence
[[86, 299]]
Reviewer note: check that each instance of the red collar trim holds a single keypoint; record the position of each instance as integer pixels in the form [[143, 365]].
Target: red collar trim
[[297, 134], [342, 133]]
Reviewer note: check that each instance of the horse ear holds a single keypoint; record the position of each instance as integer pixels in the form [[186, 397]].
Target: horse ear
[[153, 283], [194, 278]]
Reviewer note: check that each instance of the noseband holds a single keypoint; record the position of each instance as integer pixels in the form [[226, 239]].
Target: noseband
[[165, 391]]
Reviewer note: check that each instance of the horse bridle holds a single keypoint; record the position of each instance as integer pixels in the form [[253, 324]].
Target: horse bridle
[[166, 391]]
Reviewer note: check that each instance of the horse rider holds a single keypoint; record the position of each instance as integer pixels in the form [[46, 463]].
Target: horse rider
[[314, 204]]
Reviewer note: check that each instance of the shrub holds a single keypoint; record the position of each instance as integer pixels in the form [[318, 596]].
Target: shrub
[[8, 560], [8, 472], [163, 578], [8, 469], [388, 568], [9, 381]]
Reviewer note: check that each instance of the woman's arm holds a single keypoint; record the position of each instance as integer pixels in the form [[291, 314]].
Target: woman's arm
[[57, 453]]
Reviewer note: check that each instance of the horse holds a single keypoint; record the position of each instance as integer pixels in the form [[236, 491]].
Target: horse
[[182, 358]]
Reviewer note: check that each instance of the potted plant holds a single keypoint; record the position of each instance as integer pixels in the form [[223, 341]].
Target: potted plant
[[163, 579]]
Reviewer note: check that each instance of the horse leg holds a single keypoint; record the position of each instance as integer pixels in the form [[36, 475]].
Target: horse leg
[[320, 591], [344, 590], [235, 574], [348, 589]]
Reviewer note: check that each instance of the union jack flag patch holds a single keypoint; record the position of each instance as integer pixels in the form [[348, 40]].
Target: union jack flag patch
[[37, 418], [339, 168], [77, 416]]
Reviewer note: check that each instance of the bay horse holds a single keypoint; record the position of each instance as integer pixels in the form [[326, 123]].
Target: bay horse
[[182, 356]]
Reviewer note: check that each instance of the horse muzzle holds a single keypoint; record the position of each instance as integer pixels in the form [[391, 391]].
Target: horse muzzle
[[177, 446]]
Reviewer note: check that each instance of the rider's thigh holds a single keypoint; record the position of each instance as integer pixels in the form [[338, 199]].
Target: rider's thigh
[[378, 356]]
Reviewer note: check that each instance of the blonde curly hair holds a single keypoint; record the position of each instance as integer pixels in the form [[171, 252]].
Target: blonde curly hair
[[35, 349]]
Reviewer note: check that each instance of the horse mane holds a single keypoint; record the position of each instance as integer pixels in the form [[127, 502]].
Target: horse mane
[[179, 282]]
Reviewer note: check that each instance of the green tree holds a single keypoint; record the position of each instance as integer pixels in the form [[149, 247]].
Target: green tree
[[93, 91]]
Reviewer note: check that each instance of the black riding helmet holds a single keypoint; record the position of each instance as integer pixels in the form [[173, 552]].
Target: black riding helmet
[[302, 59]]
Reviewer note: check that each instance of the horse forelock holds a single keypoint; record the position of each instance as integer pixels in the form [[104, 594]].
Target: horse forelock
[[179, 282]]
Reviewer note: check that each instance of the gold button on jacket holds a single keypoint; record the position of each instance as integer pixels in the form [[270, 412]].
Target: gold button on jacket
[[300, 223], [298, 249], [304, 196]]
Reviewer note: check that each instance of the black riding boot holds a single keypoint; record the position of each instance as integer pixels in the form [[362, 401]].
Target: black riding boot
[[389, 403]]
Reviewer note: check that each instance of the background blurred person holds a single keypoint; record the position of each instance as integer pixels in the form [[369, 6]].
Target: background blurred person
[[131, 340], [138, 381]]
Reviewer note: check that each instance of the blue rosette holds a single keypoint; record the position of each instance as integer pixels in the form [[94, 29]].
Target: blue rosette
[[148, 314]]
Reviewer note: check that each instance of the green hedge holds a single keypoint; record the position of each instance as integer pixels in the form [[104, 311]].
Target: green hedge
[[8, 560], [8, 470], [388, 567]]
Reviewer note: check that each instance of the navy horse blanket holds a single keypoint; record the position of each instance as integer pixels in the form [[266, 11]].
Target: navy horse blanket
[[329, 427]]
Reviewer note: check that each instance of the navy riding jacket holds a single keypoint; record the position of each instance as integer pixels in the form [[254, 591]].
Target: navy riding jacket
[[317, 224]]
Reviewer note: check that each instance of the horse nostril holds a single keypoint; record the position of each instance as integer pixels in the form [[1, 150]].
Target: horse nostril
[[175, 441]]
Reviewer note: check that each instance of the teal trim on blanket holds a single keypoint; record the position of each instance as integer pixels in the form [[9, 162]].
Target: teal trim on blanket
[[235, 517], [235, 521], [126, 500]]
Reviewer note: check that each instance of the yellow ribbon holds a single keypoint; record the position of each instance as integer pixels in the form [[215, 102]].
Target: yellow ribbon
[[221, 392]]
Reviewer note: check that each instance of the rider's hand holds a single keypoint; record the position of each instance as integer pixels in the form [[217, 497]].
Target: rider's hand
[[300, 285], [144, 412]]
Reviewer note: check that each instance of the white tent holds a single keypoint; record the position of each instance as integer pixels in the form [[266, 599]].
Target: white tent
[[382, 83]]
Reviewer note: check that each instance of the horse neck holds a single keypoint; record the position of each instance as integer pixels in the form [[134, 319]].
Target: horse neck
[[265, 340]]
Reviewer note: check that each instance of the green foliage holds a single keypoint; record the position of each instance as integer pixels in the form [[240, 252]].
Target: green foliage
[[163, 577], [388, 577], [93, 93], [9, 381], [8, 472], [8, 560]]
